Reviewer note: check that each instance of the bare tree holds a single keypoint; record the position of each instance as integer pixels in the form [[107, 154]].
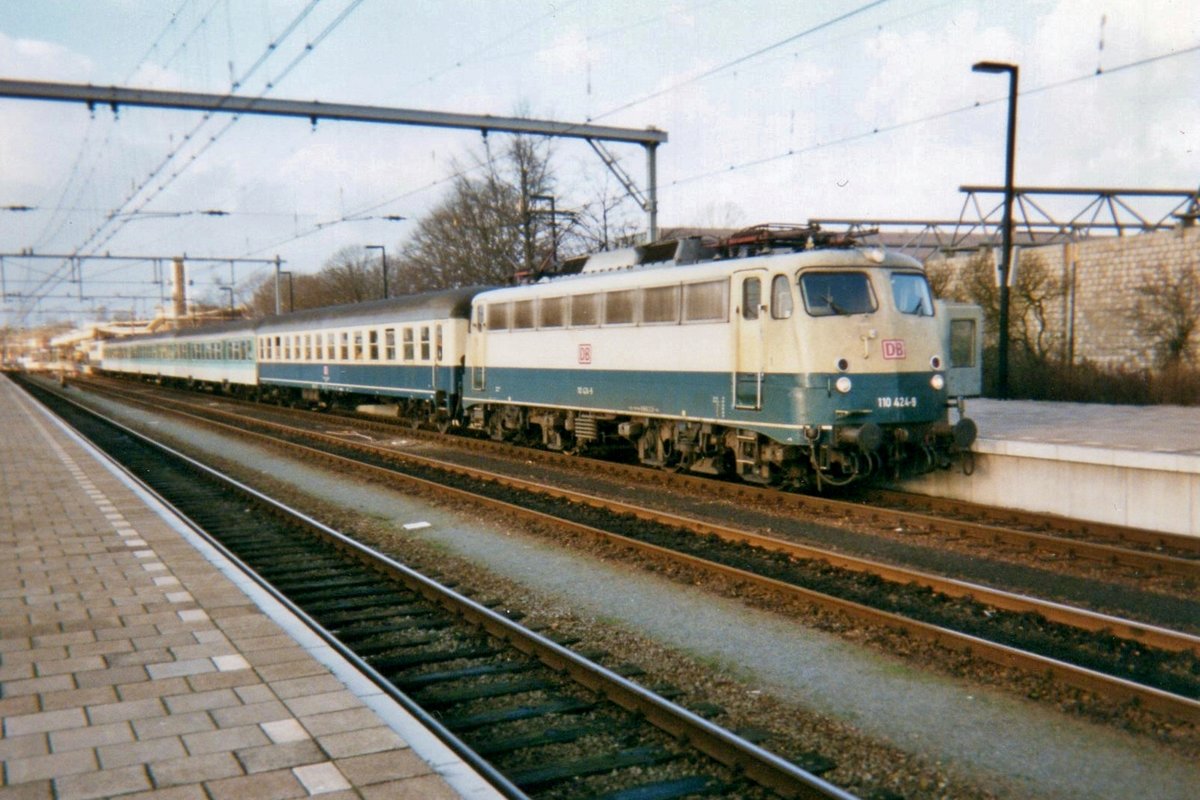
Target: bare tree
[[1168, 315], [487, 230]]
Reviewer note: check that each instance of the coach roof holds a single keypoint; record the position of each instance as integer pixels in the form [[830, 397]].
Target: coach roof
[[447, 304]]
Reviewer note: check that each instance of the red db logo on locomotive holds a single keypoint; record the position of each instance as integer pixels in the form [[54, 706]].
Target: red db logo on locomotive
[[893, 348]]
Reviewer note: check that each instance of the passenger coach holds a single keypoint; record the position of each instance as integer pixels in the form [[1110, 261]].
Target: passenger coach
[[219, 356], [409, 349]]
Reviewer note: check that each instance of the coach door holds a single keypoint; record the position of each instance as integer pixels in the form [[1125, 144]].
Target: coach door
[[749, 343]]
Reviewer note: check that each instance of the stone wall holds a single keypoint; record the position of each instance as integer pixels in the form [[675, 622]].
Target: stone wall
[[1093, 289]]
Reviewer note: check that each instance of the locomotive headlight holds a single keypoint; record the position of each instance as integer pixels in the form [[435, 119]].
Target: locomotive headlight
[[937, 382], [843, 385]]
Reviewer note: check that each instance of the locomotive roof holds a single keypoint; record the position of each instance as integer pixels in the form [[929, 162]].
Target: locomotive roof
[[663, 272], [449, 303]]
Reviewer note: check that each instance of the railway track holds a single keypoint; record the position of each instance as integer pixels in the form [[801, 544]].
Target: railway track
[[1143, 551], [533, 716], [1120, 659]]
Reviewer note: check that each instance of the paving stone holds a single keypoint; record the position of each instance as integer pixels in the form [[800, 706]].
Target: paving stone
[[195, 769], [340, 721], [165, 748], [45, 721], [225, 740], [16, 747], [361, 742], [321, 778], [36, 768], [278, 785], [126, 710], [92, 736], [243, 715], [381, 767], [174, 725], [108, 783], [34, 790], [278, 756], [426, 787], [202, 701]]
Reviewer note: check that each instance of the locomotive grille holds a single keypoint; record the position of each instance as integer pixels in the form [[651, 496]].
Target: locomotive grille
[[585, 428]]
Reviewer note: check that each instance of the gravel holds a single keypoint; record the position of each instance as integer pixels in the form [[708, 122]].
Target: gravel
[[893, 727]]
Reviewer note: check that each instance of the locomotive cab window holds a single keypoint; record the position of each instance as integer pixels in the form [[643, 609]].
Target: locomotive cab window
[[910, 291], [828, 294], [781, 297], [751, 298]]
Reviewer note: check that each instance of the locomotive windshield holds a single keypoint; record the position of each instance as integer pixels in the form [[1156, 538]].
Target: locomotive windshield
[[910, 291], [833, 293]]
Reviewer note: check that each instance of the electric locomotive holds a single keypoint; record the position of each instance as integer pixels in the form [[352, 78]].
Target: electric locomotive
[[782, 356]]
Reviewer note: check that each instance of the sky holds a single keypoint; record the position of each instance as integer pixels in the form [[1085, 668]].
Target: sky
[[776, 111]]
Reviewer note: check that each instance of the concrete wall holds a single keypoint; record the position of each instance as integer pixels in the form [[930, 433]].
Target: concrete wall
[[1092, 311]]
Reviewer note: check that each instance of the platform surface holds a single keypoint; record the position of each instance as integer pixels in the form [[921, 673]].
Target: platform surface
[[131, 664], [1155, 429]]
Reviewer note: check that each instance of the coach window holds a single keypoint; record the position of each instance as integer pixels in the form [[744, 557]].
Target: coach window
[[619, 307], [437, 342], [829, 294], [751, 298], [425, 343], [408, 345], [358, 353], [706, 302], [308, 347], [389, 344], [277, 348], [550, 312], [660, 304], [373, 345], [344, 346], [781, 297], [585, 310], [331, 346]]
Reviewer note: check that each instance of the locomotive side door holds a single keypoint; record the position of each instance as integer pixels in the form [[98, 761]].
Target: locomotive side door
[[476, 355], [749, 345]]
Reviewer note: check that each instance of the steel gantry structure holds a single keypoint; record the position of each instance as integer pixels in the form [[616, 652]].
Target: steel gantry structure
[[1104, 211], [596, 135]]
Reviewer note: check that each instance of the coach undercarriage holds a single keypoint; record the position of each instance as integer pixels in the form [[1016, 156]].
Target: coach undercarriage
[[829, 455]]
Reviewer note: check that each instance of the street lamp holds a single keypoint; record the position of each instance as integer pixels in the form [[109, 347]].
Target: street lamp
[[383, 252], [997, 67]]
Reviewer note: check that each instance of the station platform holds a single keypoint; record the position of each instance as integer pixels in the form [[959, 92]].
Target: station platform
[[135, 661], [1137, 466]]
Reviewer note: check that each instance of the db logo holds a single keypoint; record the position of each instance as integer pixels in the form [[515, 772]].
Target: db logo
[[585, 354], [893, 348]]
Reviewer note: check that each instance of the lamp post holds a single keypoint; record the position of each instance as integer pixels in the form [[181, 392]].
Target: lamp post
[[383, 256], [1005, 266]]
